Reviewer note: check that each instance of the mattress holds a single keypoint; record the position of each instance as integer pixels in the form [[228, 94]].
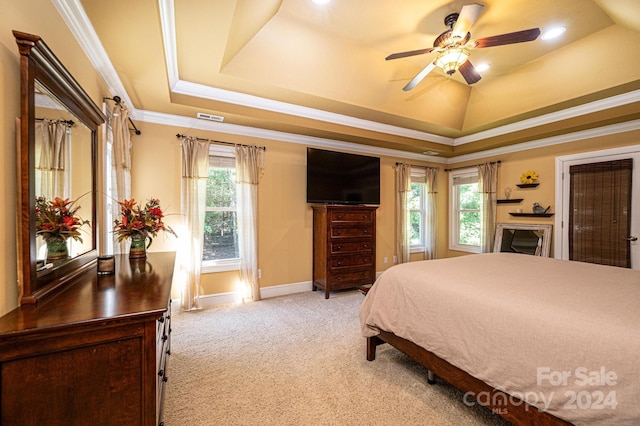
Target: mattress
[[563, 336]]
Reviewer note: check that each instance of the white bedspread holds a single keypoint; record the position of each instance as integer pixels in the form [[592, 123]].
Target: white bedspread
[[564, 336]]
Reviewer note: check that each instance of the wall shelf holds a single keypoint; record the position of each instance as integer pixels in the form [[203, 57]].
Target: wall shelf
[[510, 201], [531, 214], [527, 185]]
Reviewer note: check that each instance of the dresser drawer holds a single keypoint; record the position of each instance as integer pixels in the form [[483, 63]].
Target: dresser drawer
[[351, 231], [336, 280], [350, 247], [351, 216], [338, 262]]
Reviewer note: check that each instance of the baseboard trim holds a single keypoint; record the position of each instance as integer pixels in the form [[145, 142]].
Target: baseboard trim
[[209, 300]]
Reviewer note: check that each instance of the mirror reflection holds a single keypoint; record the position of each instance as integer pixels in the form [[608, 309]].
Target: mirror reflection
[[63, 182], [531, 239]]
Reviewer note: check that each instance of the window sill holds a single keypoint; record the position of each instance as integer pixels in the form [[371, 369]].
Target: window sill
[[210, 267], [465, 248]]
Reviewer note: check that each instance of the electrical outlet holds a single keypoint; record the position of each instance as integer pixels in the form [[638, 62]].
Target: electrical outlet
[[386, 260], [395, 259], [259, 273]]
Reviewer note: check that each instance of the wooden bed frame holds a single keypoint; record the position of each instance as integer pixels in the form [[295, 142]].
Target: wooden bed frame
[[510, 408]]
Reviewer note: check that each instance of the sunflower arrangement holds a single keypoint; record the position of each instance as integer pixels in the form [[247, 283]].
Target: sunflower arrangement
[[529, 177]]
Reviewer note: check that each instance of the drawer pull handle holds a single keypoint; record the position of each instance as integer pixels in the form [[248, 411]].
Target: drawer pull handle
[[339, 216], [365, 245], [339, 232], [338, 247], [338, 278], [339, 263], [161, 373], [366, 231]]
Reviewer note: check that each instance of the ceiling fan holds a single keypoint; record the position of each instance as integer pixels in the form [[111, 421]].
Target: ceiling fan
[[454, 44]]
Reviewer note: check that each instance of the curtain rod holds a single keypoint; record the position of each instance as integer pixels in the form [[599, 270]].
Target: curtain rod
[[69, 122], [472, 165], [422, 167], [118, 100], [215, 141]]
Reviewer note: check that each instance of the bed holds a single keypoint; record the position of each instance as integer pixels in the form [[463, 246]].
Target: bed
[[535, 339]]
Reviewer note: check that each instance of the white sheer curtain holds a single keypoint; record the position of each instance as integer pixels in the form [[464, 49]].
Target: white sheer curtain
[[249, 167], [487, 184], [195, 171], [431, 213], [403, 187], [120, 164], [52, 142]]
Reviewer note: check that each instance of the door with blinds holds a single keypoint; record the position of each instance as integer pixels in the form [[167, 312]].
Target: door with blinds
[[596, 198], [600, 207]]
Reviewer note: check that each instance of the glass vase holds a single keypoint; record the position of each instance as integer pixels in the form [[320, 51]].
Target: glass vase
[[57, 249], [138, 249]]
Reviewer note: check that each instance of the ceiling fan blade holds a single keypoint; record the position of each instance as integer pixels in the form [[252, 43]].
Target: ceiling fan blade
[[418, 78], [469, 73], [409, 53], [468, 16], [509, 38]]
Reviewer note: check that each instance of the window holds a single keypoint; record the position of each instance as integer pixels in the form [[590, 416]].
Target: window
[[220, 247], [465, 211], [417, 214]]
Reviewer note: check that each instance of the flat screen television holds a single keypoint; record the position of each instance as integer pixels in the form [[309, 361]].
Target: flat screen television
[[341, 178]]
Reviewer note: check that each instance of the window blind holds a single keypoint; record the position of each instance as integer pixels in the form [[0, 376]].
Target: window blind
[[599, 212]]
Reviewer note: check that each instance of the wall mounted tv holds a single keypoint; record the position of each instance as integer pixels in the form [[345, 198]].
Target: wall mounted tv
[[341, 178]]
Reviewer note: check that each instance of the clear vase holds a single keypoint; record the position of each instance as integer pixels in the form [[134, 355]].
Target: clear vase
[[138, 249], [57, 249]]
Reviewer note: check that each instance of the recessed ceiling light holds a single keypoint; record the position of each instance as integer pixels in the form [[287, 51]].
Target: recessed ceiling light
[[321, 2], [482, 67], [553, 33]]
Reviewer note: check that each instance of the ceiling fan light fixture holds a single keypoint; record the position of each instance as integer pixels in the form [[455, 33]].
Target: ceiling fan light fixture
[[451, 59]]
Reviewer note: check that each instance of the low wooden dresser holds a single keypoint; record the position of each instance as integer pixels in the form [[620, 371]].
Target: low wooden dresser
[[344, 247], [94, 354]]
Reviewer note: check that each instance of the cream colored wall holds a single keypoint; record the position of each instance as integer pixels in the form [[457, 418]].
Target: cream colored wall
[[285, 219], [36, 17], [542, 161]]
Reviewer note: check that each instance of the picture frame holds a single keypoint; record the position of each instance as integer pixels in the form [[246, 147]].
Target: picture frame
[[531, 239]]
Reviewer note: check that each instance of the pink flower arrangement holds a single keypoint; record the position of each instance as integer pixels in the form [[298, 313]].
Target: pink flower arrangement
[[140, 222], [58, 218]]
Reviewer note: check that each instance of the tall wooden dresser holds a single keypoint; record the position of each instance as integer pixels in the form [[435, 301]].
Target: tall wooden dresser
[[95, 353], [344, 247]]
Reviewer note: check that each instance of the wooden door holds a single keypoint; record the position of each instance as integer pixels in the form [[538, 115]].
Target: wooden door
[[600, 212]]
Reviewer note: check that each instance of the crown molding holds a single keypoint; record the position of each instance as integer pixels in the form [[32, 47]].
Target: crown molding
[[254, 132], [577, 111], [79, 24], [612, 129]]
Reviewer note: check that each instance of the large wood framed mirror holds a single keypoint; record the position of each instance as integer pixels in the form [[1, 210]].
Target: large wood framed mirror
[[57, 163]]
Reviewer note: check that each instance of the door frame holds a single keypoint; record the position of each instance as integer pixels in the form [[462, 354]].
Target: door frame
[[562, 190]]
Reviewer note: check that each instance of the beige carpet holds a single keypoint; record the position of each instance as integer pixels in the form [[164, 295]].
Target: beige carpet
[[298, 360]]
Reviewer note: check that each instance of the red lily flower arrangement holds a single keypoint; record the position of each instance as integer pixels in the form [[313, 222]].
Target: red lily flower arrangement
[[135, 221], [58, 218]]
